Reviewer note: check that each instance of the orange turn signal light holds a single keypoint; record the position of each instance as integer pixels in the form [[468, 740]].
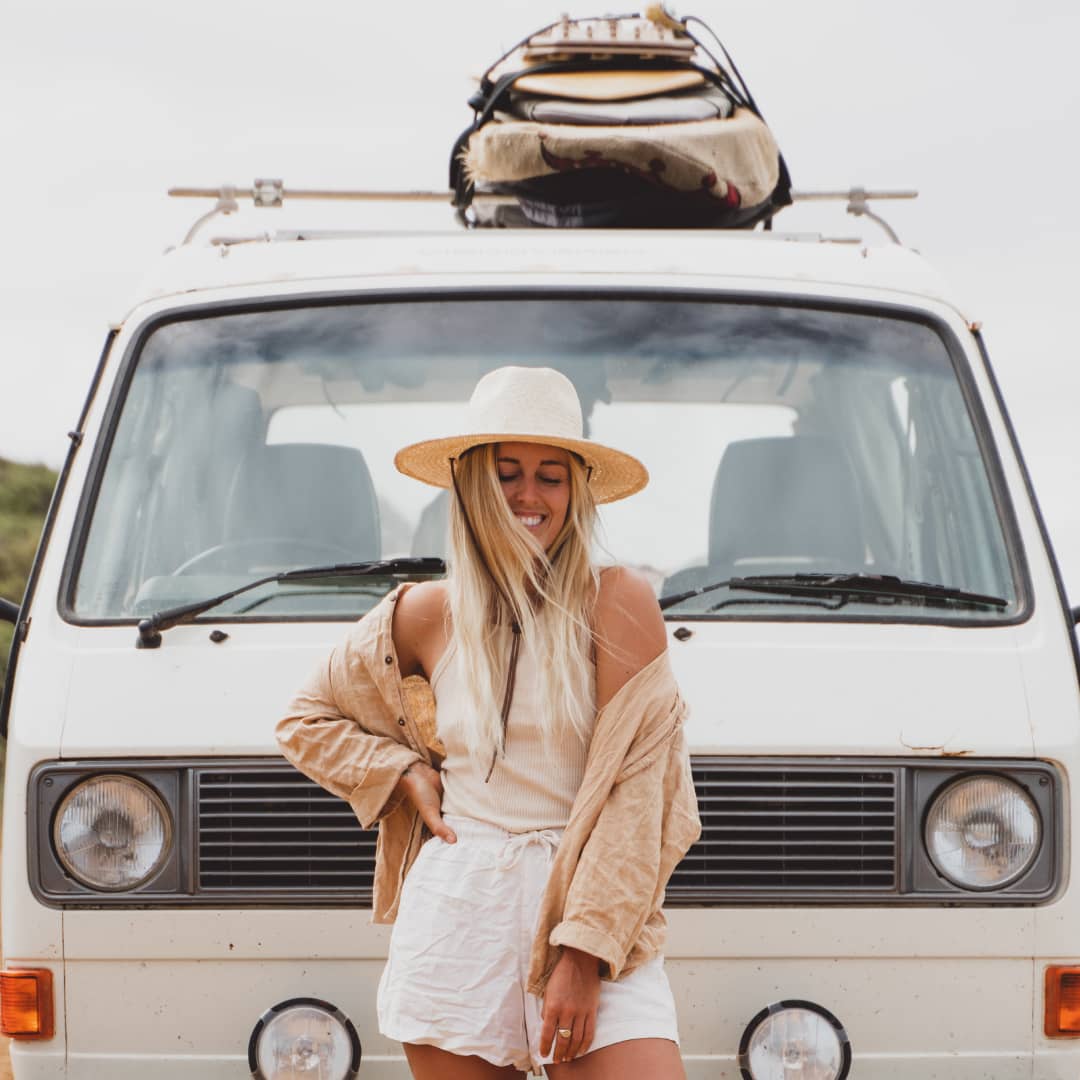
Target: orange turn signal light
[[26, 1004], [1062, 1020]]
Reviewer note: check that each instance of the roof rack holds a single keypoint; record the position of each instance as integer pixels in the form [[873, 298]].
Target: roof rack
[[857, 199], [271, 194]]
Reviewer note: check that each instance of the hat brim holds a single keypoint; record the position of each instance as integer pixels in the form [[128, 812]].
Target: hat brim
[[614, 475]]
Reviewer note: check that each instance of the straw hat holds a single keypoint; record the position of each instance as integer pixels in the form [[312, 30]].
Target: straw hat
[[534, 405]]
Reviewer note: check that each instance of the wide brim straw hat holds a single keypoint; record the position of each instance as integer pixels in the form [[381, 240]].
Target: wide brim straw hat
[[533, 405]]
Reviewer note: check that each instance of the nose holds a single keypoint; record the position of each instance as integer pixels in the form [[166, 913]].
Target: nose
[[526, 492]]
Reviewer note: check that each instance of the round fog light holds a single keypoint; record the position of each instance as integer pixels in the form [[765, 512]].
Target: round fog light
[[794, 1040], [304, 1039]]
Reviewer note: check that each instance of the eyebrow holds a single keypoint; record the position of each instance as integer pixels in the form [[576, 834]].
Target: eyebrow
[[515, 461]]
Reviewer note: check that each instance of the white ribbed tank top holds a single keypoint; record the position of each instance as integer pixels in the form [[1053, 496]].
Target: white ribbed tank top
[[531, 786]]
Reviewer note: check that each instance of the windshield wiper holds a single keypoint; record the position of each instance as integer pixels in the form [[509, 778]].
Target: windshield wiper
[[150, 629], [878, 588]]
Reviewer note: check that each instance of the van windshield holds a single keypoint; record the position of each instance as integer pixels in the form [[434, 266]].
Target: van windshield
[[779, 439]]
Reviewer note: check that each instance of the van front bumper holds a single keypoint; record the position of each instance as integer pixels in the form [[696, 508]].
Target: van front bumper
[[920, 993]]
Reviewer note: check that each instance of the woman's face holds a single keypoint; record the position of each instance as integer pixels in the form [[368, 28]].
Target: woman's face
[[536, 482]]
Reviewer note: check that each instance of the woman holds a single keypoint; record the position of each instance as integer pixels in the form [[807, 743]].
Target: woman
[[528, 929]]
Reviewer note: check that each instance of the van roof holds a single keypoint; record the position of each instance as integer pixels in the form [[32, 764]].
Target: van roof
[[325, 261]]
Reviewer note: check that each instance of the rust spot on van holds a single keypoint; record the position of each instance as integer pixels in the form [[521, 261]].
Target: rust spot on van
[[941, 749]]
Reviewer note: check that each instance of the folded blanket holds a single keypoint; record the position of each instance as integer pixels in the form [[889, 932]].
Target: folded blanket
[[735, 160]]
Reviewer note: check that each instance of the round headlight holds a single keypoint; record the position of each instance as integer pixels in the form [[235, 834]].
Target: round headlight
[[304, 1039], [983, 832], [794, 1039], [112, 832]]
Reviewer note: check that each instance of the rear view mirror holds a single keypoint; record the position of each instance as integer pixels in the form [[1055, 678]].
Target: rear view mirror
[[9, 612]]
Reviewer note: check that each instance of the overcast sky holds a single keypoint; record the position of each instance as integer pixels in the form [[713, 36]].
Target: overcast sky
[[107, 104]]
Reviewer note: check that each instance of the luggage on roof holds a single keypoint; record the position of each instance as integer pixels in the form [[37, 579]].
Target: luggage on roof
[[627, 121]]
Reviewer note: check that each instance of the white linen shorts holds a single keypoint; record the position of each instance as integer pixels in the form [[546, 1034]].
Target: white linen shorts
[[459, 954]]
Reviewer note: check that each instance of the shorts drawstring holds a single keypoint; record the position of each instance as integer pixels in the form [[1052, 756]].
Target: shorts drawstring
[[518, 842]]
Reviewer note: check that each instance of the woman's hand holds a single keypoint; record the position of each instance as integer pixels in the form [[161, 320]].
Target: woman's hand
[[570, 1001], [422, 786]]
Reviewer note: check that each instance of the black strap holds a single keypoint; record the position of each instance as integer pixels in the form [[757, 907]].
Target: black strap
[[781, 195], [508, 694], [712, 56]]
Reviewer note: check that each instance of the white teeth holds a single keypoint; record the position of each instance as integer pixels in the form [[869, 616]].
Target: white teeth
[[530, 519]]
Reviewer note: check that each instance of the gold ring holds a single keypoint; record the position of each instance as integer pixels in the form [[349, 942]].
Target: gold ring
[[565, 1033]]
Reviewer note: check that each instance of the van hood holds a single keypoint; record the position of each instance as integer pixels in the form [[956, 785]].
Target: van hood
[[752, 688], [854, 689]]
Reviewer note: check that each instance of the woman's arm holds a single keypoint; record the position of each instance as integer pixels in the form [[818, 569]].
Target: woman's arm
[[628, 630], [419, 633], [629, 633], [419, 628], [338, 730]]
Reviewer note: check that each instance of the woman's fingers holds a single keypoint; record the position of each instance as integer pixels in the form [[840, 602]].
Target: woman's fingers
[[437, 827], [561, 1043], [588, 1029], [430, 807], [567, 1036], [547, 1032], [552, 1039], [572, 1046], [577, 1042], [424, 788]]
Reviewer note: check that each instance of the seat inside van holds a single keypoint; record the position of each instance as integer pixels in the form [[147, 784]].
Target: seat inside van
[[780, 505], [311, 502], [290, 505]]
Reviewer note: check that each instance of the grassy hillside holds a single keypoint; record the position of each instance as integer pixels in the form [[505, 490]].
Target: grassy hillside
[[24, 497]]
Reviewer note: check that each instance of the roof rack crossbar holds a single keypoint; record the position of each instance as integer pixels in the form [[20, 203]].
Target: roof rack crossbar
[[857, 199], [270, 194]]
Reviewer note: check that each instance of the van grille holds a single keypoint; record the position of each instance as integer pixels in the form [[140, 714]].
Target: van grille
[[790, 830], [273, 829], [768, 831]]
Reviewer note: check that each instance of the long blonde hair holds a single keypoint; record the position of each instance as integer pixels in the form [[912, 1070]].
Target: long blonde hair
[[500, 575]]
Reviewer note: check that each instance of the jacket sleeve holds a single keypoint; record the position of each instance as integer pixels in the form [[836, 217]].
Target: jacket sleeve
[[645, 827], [324, 735]]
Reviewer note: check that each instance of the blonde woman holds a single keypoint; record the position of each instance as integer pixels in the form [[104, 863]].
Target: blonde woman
[[525, 869]]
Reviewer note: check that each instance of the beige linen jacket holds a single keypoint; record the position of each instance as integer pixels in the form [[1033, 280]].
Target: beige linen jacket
[[357, 725]]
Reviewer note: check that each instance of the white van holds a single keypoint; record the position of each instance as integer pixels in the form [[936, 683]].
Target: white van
[[865, 616]]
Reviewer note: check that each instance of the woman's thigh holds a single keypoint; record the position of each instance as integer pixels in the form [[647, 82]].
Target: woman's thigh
[[432, 1063], [632, 1059]]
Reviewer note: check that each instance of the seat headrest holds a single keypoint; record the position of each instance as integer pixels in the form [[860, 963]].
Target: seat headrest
[[791, 497], [307, 491]]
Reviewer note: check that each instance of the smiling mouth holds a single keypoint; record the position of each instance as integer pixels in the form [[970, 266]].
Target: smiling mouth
[[530, 521]]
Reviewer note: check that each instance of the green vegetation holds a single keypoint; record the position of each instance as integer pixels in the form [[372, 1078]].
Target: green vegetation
[[25, 491]]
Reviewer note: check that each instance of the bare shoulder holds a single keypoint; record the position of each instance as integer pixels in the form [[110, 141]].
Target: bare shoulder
[[419, 627], [628, 628], [424, 601]]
